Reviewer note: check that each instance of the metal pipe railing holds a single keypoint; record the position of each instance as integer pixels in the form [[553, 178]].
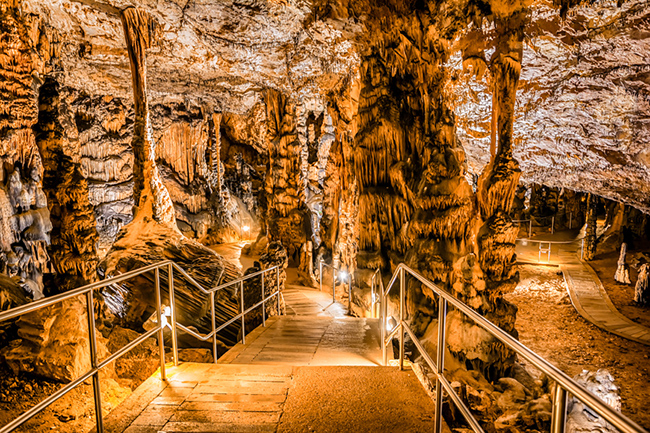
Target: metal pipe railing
[[96, 365], [547, 249], [530, 225], [564, 384], [321, 264]]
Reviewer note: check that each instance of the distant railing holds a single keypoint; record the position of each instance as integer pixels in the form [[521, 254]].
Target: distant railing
[[96, 366], [530, 225], [545, 246], [564, 384]]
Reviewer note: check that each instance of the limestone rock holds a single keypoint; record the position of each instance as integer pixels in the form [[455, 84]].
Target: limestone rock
[[54, 342], [580, 418]]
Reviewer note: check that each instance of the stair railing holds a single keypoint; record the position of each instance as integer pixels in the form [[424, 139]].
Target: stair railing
[[564, 384], [97, 365]]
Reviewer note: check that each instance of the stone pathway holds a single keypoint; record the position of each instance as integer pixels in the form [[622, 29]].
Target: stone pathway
[[276, 398], [312, 370], [586, 291]]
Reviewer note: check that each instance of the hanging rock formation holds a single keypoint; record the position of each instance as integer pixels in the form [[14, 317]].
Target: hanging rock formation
[[26, 49]]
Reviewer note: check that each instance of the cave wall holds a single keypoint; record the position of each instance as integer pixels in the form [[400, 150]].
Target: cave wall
[[26, 49]]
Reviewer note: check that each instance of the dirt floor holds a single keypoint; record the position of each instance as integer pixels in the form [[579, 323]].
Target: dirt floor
[[549, 325]]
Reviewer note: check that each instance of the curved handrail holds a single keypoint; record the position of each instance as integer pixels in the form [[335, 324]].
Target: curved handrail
[[564, 382], [96, 365]]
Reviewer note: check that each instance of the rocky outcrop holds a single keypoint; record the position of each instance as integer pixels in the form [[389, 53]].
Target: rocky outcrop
[[53, 342]]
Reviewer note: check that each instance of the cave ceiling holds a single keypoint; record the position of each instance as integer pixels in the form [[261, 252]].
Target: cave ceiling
[[583, 105]]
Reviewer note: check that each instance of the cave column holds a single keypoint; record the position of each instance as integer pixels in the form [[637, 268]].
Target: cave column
[[590, 230], [149, 193], [288, 218], [497, 187]]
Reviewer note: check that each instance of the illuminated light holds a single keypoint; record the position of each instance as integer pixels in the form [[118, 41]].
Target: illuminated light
[[524, 243], [343, 275], [167, 311], [390, 324], [246, 228]]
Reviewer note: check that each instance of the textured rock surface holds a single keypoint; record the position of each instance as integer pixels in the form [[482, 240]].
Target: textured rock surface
[[53, 342], [583, 106]]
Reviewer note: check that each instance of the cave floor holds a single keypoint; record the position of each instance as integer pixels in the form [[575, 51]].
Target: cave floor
[[586, 291]]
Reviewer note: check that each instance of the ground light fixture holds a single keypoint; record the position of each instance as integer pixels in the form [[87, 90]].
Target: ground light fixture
[[343, 275]]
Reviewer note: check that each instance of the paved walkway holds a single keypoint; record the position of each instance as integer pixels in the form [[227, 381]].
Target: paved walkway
[[276, 398], [312, 370], [586, 291]]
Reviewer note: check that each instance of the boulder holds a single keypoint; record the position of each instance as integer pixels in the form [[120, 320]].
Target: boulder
[[53, 342]]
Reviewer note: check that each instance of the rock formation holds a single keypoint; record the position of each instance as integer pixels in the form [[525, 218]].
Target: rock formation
[[642, 287], [590, 229], [288, 218], [622, 269]]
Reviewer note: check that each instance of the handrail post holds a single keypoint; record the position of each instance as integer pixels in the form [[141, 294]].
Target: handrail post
[[372, 295], [214, 327], [582, 249], [383, 323], [349, 294], [570, 220], [320, 274], [530, 228], [401, 319], [92, 339], [333, 284], [172, 308], [552, 224], [161, 334], [277, 279], [558, 421], [440, 360], [243, 322], [263, 302]]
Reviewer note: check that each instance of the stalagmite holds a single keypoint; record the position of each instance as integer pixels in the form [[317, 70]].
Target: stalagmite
[[622, 269], [642, 287], [74, 234]]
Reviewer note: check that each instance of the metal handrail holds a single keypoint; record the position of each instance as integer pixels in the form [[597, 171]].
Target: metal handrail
[[564, 384], [540, 242], [374, 294], [96, 366]]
